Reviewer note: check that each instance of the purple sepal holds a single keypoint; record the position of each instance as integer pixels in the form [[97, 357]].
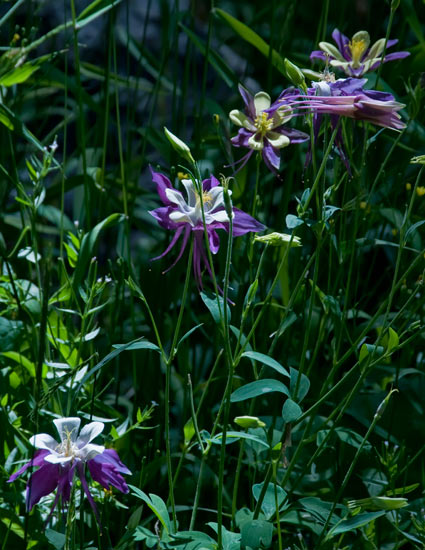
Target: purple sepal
[[342, 42], [38, 460], [41, 483], [162, 183], [318, 54]]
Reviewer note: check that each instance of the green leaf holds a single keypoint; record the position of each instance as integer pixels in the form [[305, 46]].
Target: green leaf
[[231, 437], [259, 387], [370, 349], [188, 333], [21, 360], [252, 38], [303, 385], [393, 339], [56, 539], [291, 411], [157, 505], [266, 360], [357, 521], [143, 344], [18, 74], [268, 506], [11, 333], [94, 10], [210, 300], [256, 534]]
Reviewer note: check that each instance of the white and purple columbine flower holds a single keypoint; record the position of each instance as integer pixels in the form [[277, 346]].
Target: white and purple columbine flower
[[346, 97], [184, 216], [354, 56], [262, 126], [58, 462]]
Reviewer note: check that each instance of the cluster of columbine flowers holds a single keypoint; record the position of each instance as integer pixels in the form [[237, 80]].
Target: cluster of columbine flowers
[[58, 462], [263, 129]]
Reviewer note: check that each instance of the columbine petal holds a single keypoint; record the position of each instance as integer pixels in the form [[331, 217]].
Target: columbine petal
[[262, 102], [162, 183], [256, 142], [57, 459], [271, 157], [277, 140], [38, 460], [90, 450], [67, 427], [43, 441], [89, 432], [175, 197], [41, 483], [240, 119], [331, 50]]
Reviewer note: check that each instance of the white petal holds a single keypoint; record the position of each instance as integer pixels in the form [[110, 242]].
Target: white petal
[[67, 427], [89, 432], [375, 50], [175, 197], [240, 119], [220, 216], [217, 199], [277, 140], [281, 116], [262, 101], [43, 441], [179, 217], [255, 143], [56, 459], [90, 451], [191, 193]]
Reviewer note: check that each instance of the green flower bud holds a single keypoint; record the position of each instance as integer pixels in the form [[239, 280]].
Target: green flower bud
[[294, 74], [279, 239], [248, 422], [179, 146]]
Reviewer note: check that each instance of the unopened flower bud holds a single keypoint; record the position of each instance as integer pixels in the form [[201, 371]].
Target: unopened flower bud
[[248, 422], [279, 239], [179, 146], [294, 74]]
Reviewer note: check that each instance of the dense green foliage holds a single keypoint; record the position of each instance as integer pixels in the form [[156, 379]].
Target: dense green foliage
[[288, 413]]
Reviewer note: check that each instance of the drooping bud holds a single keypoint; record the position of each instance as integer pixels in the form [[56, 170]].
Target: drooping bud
[[294, 74]]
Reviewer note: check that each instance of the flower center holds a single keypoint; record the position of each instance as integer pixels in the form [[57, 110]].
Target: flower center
[[67, 447], [263, 123], [206, 198], [357, 46]]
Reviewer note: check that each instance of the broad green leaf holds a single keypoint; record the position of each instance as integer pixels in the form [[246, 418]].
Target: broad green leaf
[[252, 38], [256, 534], [157, 505], [303, 385], [18, 74], [11, 333], [56, 539], [291, 411], [268, 506], [393, 339], [210, 300], [266, 360], [259, 387], [360, 520], [21, 360], [370, 350]]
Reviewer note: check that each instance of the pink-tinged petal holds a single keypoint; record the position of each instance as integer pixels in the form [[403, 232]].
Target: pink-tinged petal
[[172, 243], [213, 240], [67, 427], [271, 157], [162, 215], [89, 432], [41, 483], [87, 491], [318, 54], [38, 460], [342, 43], [162, 183], [244, 223], [43, 441]]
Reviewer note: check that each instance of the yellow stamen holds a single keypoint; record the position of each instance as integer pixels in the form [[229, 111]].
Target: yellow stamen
[[263, 123], [358, 46], [206, 198]]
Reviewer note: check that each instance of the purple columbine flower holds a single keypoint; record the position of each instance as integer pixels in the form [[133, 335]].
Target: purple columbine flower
[[354, 56], [262, 125], [58, 462], [346, 97], [184, 216]]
